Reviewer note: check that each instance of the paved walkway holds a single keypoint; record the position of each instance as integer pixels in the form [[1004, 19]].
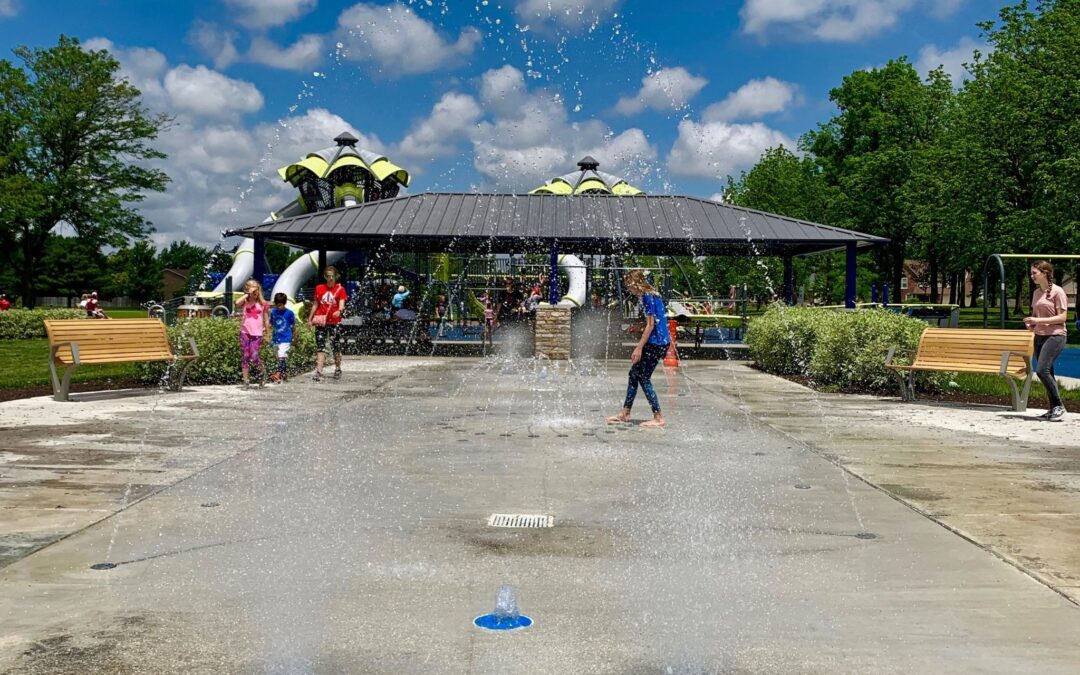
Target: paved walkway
[[341, 527]]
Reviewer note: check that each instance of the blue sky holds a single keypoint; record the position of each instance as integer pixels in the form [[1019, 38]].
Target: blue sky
[[485, 94]]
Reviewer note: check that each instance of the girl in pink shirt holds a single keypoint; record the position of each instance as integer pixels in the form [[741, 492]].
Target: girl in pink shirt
[[1049, 309], [254, 321]]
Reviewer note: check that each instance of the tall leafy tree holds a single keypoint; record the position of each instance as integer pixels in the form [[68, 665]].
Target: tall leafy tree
[[887, 117], [71, 266], [74, 140], [1020, 124], [136, 271]]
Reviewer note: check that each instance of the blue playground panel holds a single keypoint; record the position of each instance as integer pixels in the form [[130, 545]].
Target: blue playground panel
[[1068, 364], [716, 336], [458, 333]]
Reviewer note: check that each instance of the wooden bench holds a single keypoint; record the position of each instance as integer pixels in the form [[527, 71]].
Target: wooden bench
[[75, 342], [1007, 353]]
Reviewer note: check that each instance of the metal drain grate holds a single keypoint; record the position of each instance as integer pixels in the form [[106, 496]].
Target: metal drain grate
[[520, 520]]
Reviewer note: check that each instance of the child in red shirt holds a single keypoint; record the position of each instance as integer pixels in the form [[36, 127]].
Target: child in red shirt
[[325, 317]]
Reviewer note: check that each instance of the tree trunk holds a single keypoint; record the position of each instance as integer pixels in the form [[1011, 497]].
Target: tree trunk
[[1017, 307], [933, 278]]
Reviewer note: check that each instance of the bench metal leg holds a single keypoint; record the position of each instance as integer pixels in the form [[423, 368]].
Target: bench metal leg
[[183, 371], [907, 392], [62, 385]]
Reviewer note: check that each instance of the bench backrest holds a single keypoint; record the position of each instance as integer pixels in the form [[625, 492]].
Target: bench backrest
[[110, 340], [978, 348]]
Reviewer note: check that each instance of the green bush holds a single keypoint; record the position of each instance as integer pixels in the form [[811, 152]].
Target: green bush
[[219, 352], [783, 339], [845, 350], [22, 324]]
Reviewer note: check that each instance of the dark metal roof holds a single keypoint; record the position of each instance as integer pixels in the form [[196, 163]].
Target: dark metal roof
[[507, 223]]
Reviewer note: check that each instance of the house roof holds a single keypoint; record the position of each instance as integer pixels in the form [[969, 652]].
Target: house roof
[[508, 223]]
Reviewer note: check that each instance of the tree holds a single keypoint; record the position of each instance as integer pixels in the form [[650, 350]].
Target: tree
[[136, 271], [888, 116], [74, 139], [70, 267], [1020, 124]]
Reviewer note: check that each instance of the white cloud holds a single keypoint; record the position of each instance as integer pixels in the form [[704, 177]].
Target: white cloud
[[216, 43], [439, 133], [10, 8], [301, 55], [206, 92], [569, 14], [503, 89], [142, 67], [394, 39], [832, 20], [717, 149], [268, 13], [527, 138], [953, 59], [666, 89], [753, 99]]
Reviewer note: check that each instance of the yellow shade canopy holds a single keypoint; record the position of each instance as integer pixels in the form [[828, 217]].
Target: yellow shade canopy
[[318, 163], [589, 180]]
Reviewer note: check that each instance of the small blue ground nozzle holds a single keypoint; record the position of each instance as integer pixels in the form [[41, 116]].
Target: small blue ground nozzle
[[506, 615], [496, 622]]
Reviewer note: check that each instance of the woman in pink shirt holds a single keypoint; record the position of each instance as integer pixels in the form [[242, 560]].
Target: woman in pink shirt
[[1049, 309], [253, 323]]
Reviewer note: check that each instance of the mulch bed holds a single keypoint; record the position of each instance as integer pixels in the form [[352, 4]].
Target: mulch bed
[[15, 393], [950, 396]]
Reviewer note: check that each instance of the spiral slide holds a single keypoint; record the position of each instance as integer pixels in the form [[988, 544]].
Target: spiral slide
[[296, 274], [574, 267]]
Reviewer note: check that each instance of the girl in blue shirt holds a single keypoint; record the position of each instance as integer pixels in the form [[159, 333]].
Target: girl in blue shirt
[[652, 346]]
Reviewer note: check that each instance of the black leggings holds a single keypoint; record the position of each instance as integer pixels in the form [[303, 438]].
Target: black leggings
[[1047, 350], [641, 373]]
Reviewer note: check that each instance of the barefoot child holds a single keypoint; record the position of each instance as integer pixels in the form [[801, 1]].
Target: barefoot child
[[282, 319], [254, 321], [648, 352]]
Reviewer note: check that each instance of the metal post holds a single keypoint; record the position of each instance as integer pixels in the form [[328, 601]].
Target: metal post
[[228, 294], [849, 286], [322, 262], [553, 274], [259, 264], [885, 295], [873, 293], [789, 281]]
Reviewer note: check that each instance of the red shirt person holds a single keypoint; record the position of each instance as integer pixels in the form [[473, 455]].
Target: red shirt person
[[326, 319], [5, 304]]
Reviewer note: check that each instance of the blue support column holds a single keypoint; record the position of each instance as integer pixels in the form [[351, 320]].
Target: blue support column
[[849, 286], [789, 281], [873, 293], [553, 274], [885, 295], [258, 268]]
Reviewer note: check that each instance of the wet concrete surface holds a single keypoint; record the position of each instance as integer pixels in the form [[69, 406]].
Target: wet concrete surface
[[341, 527]]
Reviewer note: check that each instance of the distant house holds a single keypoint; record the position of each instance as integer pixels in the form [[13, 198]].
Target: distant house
[[915, 284], [174, 282]]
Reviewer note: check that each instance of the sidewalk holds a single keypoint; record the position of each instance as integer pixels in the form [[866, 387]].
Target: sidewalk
[[66, 466], [1003, 480]]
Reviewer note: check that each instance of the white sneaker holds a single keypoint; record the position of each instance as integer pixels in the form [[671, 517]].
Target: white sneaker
[[1057, 413]]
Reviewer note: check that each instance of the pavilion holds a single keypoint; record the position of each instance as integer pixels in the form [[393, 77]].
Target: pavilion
[[485, 223]]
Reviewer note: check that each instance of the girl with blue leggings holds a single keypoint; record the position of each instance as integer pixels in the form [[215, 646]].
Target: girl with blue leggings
[[652, 346]]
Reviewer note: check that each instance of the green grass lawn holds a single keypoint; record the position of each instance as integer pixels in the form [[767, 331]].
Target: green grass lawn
[[25, 363], [993, 385]]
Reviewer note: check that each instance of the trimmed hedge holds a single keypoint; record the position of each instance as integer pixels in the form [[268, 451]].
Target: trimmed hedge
[[844, 350], [219, 352], [23, 324]]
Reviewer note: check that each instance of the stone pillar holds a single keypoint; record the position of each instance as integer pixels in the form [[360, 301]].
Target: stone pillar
[[551, 332]]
